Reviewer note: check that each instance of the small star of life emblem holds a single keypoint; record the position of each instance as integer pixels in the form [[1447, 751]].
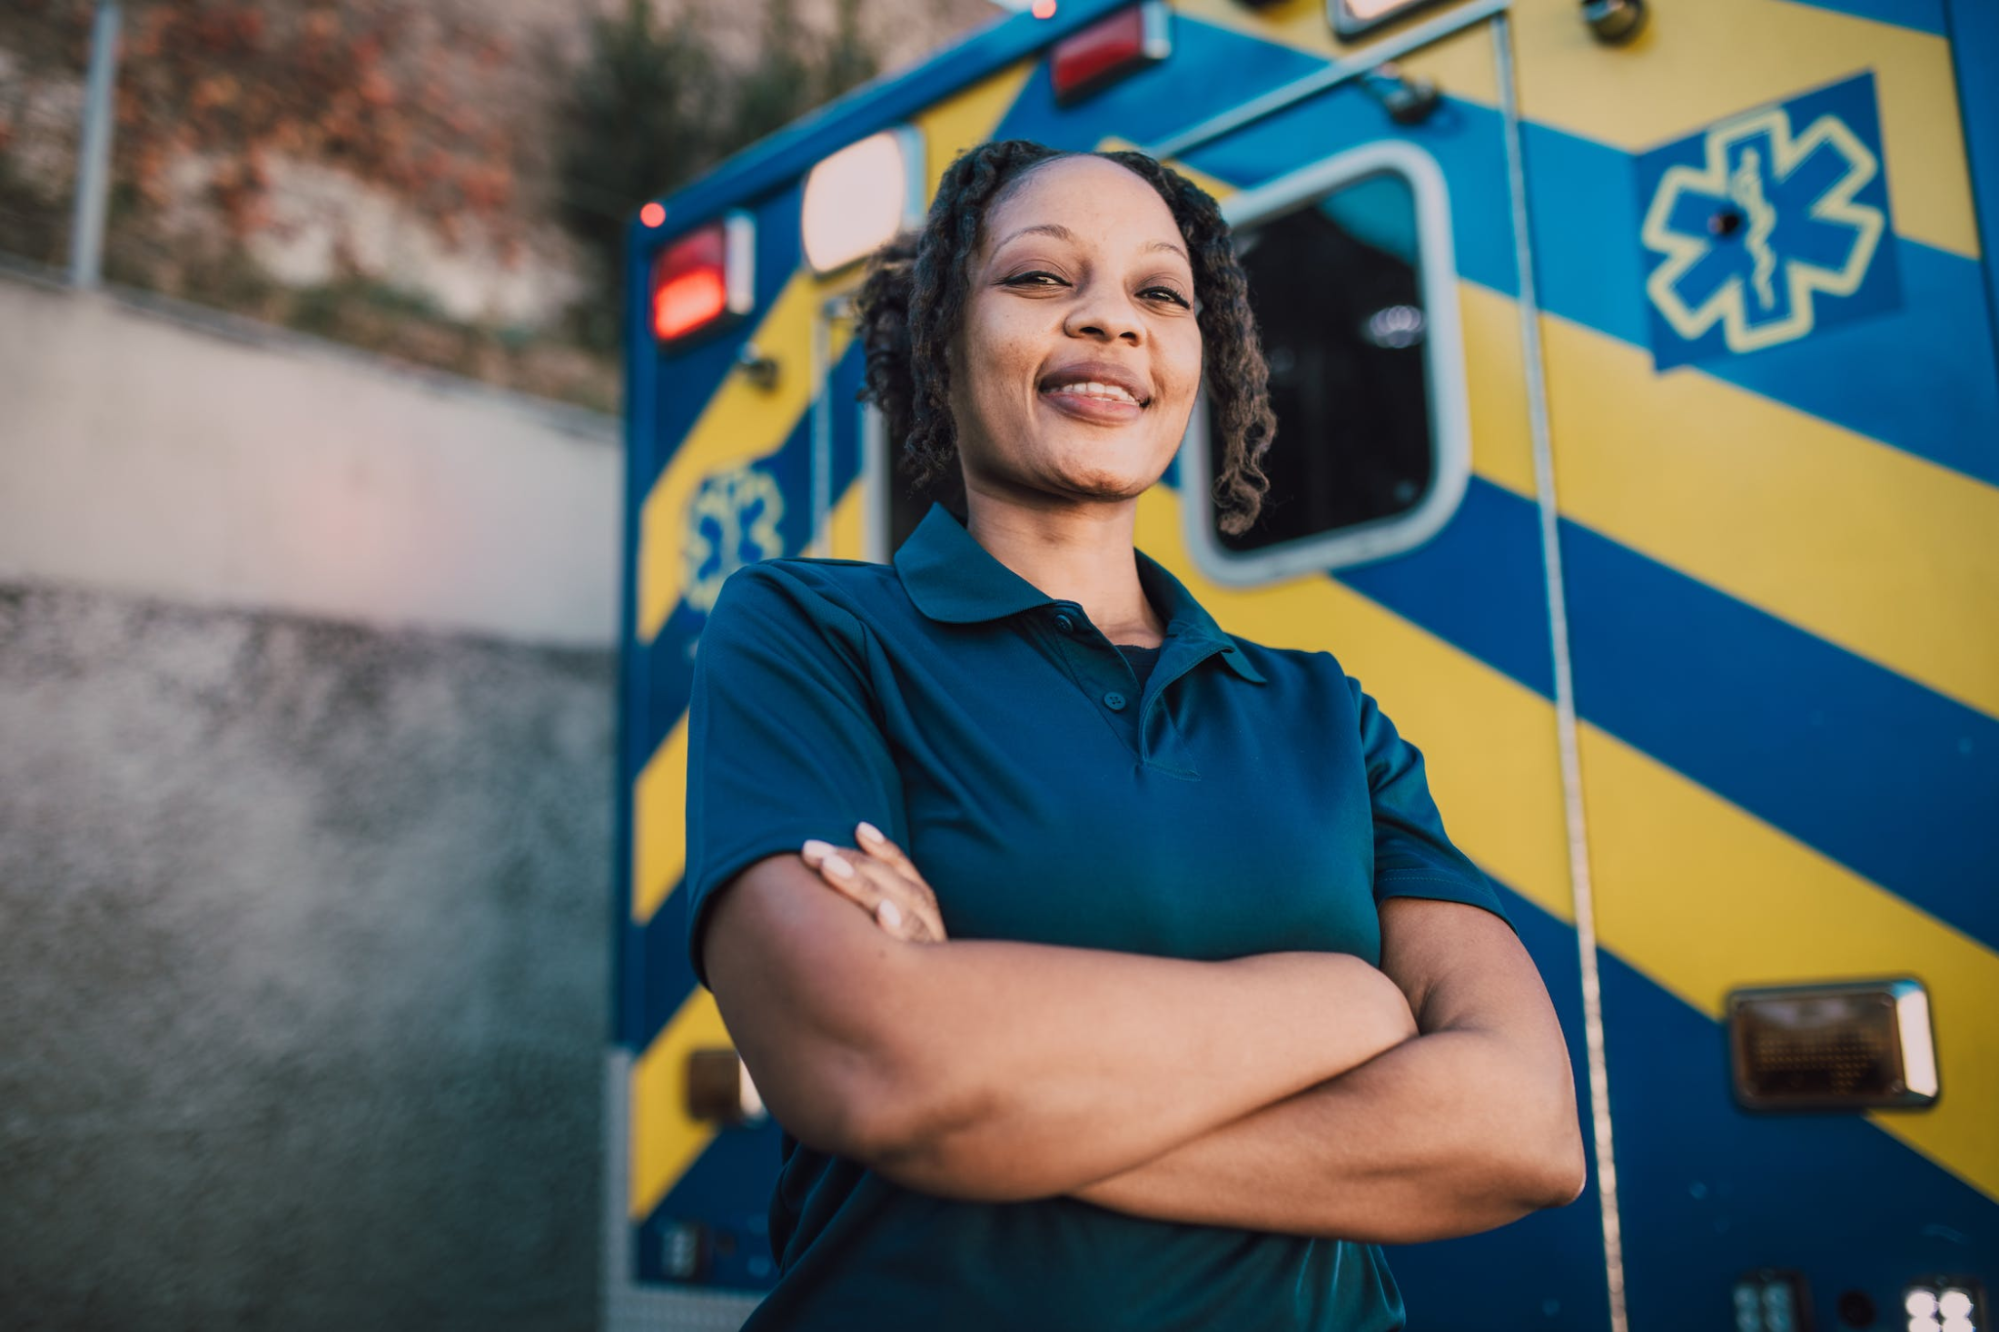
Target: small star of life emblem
[[1764, 231], [731, 522]]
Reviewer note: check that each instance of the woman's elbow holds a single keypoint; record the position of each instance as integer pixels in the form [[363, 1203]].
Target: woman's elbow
[[921, 1132], [1553, 1169]]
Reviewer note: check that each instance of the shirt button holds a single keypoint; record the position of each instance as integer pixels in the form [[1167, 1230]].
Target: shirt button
[[1066, 625], [1114, 701]]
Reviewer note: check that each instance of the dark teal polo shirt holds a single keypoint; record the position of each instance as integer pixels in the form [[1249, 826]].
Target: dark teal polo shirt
[[1241, 800]]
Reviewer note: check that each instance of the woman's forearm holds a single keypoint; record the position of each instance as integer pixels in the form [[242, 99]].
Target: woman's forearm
[[1041, 1064], [1001, 1070], [1443, 1136], [1465, 1128]]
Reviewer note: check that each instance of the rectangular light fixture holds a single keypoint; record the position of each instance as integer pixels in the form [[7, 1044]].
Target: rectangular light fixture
[[705, 279], [1356, 18], [861, 196], [1091, 60], [1841, 1045]]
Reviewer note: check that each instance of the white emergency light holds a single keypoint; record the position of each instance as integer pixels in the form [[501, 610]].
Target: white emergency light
[[1352, 18], [862, 196]]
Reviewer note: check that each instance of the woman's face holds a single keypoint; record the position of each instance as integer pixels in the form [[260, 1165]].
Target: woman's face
[[1076, 364]]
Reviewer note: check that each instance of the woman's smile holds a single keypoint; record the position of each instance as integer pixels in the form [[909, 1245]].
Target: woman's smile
[[1100, 391]]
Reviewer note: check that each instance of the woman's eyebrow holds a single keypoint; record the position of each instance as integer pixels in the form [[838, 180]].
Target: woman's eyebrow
[[1061, 232]]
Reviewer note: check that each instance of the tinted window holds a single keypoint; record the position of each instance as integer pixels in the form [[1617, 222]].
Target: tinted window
[[1337, 294]]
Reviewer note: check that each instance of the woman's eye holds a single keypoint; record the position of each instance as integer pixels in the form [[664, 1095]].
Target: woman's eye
[[1027, 279], [1169, 294]]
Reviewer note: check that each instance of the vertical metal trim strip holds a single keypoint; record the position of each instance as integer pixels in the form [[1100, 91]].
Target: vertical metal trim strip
[[1973, 32], [93, 169], [1565, 701], [820, 541]]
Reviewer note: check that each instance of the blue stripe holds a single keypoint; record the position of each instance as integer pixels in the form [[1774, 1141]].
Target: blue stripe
[[1868, 767], [666, 976], [1921, 15]]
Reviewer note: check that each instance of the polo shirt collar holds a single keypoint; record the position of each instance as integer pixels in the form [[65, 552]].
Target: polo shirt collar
[[951, 578]]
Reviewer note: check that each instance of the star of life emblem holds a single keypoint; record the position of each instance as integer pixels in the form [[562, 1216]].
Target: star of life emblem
[[1777, 219], [731, 522]]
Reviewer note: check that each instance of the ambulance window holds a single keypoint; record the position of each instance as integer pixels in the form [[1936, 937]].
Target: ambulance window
[[1351, 277]]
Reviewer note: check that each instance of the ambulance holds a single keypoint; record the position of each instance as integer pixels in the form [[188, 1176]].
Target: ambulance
[[1634, 364]]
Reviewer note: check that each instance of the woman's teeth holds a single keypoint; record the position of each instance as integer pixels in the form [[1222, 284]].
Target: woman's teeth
[[1092, 389]]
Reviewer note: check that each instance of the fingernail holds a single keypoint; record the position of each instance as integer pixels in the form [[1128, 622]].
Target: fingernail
[[837, 866], [870, 832], [890, 914], [814, 847]]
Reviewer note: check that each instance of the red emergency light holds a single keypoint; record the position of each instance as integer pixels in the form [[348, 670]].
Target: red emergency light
[[704, 280], [1111, 48]]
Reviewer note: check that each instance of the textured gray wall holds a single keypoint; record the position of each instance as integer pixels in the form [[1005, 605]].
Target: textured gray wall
[[303, 970]]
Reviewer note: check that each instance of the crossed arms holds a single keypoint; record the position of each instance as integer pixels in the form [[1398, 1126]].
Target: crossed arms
[[1295, 1092]]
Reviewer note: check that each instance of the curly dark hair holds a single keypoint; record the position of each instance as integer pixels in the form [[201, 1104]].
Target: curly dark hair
[[913, 298]]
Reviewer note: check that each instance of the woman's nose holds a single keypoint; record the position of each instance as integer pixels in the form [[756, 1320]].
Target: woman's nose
[[1106, 315]]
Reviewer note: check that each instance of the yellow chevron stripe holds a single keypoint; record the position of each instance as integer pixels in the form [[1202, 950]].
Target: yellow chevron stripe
[[665, 1139], [1872, 548], [1702, 897], [1694, 892], [659, 824], [743, 422], [1502, 441], [1698, 62]]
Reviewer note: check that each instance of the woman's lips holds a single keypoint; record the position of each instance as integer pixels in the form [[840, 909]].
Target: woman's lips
[[1092, 407]]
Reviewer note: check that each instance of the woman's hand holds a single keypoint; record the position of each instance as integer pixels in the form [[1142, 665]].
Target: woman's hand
[[882, 881]]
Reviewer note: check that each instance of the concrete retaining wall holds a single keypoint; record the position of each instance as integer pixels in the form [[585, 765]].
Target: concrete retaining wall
[[306, 714]]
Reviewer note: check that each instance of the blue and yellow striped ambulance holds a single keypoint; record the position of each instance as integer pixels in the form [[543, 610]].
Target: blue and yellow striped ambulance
[[1639, 449]]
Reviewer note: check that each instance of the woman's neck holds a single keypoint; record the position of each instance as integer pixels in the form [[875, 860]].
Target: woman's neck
[[1079, 553]]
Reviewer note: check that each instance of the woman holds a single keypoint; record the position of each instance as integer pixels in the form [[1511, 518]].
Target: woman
[[1104, 970]]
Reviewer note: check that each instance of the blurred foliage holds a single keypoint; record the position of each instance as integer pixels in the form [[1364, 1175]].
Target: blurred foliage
[[235, 118], [652, 109], [407, 100], [46, 45], [232, 83]]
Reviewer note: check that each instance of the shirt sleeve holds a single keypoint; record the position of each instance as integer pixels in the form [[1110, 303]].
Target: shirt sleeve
[[1413, 857], [783, 742]]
